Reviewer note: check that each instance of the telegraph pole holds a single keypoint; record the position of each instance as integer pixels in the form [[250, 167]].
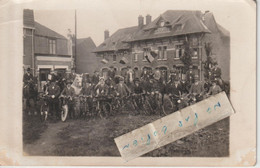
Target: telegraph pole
[[75, 50]]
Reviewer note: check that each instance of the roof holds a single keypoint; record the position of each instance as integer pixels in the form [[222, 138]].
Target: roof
[[87, 42], [116, 41], [188, 21], [45, 31], [177, 22]]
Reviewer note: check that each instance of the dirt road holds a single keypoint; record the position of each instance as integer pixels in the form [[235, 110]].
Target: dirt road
[[95, 137], [45, 145]]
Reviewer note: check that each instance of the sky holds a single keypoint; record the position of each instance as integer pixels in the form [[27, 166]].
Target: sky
[[95, 16]]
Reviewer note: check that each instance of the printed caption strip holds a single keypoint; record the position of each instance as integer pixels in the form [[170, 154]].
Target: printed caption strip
[[174, 126]]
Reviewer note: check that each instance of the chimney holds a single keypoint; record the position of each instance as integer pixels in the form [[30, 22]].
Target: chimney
[[28, 18], [148, 19], [106, 34], [140, 21]]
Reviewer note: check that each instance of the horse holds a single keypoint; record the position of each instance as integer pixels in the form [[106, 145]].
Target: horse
[[30, 93], [77, 85]]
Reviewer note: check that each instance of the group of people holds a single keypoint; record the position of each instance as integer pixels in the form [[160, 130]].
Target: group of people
[[121, 86]]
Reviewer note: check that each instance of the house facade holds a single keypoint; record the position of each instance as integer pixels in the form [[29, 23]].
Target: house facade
[[45, 50], [165, 36]]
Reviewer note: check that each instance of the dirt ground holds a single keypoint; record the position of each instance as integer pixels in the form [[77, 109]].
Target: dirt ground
[[95, 137]]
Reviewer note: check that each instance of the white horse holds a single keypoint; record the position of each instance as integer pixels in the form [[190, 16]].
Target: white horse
[[77, 83]]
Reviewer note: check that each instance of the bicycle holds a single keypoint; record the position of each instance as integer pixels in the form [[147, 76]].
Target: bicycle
[[65, 101], [152, 102], [85, 109], [102, 107]]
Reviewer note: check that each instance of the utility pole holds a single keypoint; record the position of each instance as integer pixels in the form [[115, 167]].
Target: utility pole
[[75, 50]]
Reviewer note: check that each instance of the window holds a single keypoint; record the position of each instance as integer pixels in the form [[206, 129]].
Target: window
[[179, 51], [160, 54], [194, 41], [52, 46], [165, 53], [195, 53], [114, 57], [135, 57], [146, 50]]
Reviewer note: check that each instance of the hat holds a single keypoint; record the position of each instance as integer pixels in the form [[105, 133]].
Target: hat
[[28, 69], [196, 77], [69, 82], [101, 78], [121, 79], [111, 66]]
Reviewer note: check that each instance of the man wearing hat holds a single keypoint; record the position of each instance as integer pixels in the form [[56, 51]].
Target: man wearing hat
[[69, 92], [54, 92], [121, 89], [27, 77], [214, 89], [197, 89], [216, 71]]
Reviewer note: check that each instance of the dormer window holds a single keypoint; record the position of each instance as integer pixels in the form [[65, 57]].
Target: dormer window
[[178, 27], [162, 23]]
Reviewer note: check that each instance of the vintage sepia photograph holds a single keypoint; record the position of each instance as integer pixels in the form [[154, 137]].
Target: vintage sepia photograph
[[84, 87]]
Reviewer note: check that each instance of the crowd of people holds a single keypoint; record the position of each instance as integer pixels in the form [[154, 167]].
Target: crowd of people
[[112, 85]]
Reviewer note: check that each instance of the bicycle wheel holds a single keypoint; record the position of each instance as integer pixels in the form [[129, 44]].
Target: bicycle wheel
[[167, 106], [64, 112], [44, 111]]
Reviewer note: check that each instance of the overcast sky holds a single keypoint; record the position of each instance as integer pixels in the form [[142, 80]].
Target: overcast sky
[[94, 16]]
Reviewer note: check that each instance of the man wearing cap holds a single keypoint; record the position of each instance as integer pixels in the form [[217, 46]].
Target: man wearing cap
[[95, 78], [101, 88], [175, 91], [197, 89], [69, 92], [53, 92], [121, 89], [111, 73]]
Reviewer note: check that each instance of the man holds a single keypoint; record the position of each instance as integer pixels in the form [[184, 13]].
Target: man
[[130, 76], [29, 92], [137, 91], [216, 72], [145, 75], [121, 89], [95, 78], [197, 89], [101, 88], [111, 73], [27, 77], [214, 89], [175, 92], [53, 92], [69, 92]]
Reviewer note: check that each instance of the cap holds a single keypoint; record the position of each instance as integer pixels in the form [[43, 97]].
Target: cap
[[121, 79], [101, 78], [28, 69]]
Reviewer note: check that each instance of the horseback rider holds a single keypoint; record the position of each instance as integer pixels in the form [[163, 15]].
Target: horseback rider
[[27, 77]]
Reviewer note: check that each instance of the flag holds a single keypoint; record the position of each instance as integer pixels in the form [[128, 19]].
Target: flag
[[123, 60], [104, 61], [150, 56]]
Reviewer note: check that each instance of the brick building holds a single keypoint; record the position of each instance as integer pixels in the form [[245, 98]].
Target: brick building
[[45, 50], [166, 36]]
